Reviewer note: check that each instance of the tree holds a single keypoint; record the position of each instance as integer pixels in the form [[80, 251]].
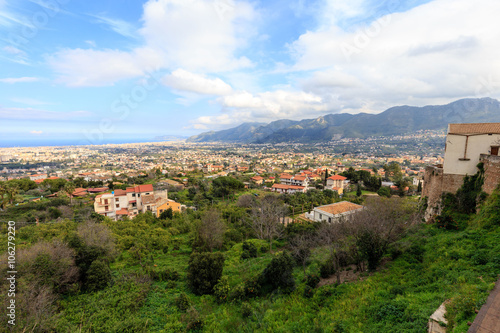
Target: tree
[[378, 226], [3, 192], [69, 188], [167, 214], [12, 190], [204, 271], [419, 187], [266, 218], [358, 190], [210, 231], [223, 186], [278, 273], [300, 248], [384, 192]]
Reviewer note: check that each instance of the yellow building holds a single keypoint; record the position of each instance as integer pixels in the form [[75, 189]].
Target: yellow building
[[164, 205]]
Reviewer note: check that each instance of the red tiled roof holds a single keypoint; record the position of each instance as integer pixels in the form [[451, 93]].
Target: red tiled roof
[[123, 211], [337, 177], [339, 207], [140, 188], [299, 178], [286, 176], [120, 193], [480, 128]]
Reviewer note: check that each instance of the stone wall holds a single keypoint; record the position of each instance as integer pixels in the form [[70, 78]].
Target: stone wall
[[436, 182], [491, 172]]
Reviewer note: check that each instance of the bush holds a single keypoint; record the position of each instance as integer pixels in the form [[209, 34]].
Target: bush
[[308, 292], [312, 280], [221, 290], [278, 274], [204, 271], [237, 293], [182, 302], [384, 192], [246, 310], [252, 287], [98, 276], [327, 269], [249, 250]]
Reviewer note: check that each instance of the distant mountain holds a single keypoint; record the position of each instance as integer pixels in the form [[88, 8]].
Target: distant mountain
[[394, 121]]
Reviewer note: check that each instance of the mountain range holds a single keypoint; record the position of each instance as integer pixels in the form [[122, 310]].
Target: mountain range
[[397, 120]]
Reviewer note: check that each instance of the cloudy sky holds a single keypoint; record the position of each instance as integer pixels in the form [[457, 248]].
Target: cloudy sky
[[96, 71]]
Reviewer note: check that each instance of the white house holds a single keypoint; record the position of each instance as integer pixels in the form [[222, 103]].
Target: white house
[[333, 212], [466, 142]]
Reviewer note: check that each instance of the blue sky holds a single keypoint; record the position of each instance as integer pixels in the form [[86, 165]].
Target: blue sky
[[98, 71]]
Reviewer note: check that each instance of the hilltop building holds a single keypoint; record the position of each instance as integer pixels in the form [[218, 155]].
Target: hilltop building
[[466, 146]]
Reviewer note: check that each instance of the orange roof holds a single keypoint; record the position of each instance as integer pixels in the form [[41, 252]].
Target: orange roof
[[257, 178], [123, 211], [480, 128], [299, 178], [337, 177], [285, 175], [120, 193], [339, 207], [140, 188]]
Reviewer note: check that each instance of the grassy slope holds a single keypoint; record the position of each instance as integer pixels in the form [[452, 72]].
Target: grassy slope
[[457, 265]]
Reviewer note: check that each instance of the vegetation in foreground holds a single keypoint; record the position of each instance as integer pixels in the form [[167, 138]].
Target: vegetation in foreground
[[212, 271]]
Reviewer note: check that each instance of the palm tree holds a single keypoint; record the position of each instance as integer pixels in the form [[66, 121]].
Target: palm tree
[[3, 191], [12, 190], [69, 188]]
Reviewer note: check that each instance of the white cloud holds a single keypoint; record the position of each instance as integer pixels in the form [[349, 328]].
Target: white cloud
[[199, 35], [86, 67], [24, 79], [243, 106], [195, 35], [36, 114], [186, 81], [36, 132], [434, 53], [119, 26], [28, 101]]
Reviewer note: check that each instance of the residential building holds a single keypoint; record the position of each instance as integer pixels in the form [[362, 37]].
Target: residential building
[[333, 212], [336, 182], [282, 188], [466, 146]]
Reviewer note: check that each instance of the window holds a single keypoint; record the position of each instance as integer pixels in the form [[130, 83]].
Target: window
[[117, 205], [133, 194], [106, 207], [116, 199], [494, 150], [138, 195]]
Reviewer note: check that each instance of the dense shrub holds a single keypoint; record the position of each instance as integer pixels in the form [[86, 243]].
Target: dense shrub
[[204, 271], [221, 290], [278, 274], [327, 268], [98, 276], [312, 280], [249, 250], [182, 302]]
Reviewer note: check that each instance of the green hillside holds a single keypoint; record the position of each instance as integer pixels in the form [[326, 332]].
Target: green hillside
[[146, 288]]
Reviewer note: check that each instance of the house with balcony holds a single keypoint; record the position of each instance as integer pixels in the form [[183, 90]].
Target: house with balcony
[[336, 183]]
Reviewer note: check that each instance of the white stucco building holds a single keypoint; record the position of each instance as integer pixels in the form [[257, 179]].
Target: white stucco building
[[466, 142]]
